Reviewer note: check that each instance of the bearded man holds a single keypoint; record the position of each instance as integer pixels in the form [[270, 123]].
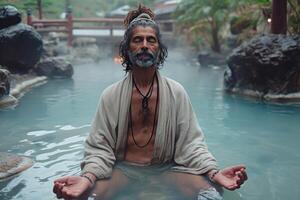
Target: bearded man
[[145, 125]]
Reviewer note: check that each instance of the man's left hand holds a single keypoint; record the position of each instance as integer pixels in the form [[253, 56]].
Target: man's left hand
[[232, 177]]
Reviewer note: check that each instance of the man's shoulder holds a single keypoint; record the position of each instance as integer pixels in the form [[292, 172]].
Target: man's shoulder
[[174, 85], [114, 89]]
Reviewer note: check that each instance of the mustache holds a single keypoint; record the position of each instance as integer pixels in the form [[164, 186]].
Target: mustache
[[145, 53]]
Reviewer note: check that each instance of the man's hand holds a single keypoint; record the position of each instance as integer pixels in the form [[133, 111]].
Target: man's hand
[[70, 187], [232, 177]]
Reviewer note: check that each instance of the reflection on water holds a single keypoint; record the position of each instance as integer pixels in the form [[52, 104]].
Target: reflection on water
[[52, 121]]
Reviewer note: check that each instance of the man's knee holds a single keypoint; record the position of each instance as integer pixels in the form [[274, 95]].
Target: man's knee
[[100, 190], [188, 184], [106, 188], [211, 193]]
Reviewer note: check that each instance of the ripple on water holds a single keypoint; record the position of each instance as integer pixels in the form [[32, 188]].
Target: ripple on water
[[40, 133], [70, 127]]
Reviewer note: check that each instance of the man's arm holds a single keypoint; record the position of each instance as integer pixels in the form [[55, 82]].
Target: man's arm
[[99, 154], [98, 161], [191, 152]]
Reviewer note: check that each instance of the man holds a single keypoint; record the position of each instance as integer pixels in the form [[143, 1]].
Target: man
[[146, 123]]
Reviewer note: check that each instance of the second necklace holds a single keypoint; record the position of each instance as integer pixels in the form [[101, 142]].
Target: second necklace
[[146, 97]]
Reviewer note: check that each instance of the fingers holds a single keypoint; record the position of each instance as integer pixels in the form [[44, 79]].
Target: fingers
[[238, 167], [233, 187], [57, 189], [59, 185], [244, 174], [66, 194], [241, 177], [62, 180]]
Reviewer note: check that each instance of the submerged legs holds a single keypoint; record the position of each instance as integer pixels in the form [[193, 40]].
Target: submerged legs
[[106, 188], [192, 186]]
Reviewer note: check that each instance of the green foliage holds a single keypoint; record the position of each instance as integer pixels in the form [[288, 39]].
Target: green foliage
[[49, 7], [86, 8], [203, 18], [240, 23], [294, 16]]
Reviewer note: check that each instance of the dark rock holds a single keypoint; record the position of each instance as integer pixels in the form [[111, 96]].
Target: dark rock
[[267, 64], [20, 48], [4, 82], [9, 15], [54, 67]]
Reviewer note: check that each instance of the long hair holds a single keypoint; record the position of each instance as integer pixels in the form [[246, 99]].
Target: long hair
[[124, 45]]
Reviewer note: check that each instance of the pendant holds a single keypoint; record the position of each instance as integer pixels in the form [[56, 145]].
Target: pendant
[[145, 103]]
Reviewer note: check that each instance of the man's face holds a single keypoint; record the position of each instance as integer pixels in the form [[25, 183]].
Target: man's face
[[143, 47]]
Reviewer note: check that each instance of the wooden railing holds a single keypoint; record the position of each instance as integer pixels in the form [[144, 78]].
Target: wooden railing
[[69, 24]]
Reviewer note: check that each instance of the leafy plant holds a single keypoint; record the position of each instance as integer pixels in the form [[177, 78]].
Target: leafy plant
[[202, 18], [294, 16]]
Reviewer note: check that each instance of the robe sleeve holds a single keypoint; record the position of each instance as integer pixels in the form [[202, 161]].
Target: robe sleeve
[[99, 154], [191, 152]]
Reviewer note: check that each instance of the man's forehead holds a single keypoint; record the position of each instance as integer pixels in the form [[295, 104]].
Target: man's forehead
[[144, 30]]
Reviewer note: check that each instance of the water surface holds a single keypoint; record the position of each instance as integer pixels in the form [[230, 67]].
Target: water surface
[[52, 121]]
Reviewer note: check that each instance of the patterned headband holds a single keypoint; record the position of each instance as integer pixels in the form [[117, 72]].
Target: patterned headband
[[144, 17]]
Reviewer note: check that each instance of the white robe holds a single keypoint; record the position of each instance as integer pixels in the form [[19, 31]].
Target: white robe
[[178, 138]]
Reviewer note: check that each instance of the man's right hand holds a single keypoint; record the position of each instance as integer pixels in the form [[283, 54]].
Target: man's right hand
[[70, 187]]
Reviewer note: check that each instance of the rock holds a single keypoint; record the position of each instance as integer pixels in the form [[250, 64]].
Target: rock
[[20, 48], [4, 82], [266, 65], [11, 164], [9, 15], [54, 67], [22, 83], [60, 49], [8, 101]]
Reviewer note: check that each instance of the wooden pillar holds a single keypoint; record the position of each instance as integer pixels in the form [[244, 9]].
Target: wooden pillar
[[279, 17], [111, 28], [29, 17], [70, 26], [39, 2]]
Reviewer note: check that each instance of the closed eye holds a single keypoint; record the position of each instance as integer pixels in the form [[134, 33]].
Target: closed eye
[[151, 39], [137, 39]]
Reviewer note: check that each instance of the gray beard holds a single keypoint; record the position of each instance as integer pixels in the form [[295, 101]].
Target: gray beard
[[143, 63]]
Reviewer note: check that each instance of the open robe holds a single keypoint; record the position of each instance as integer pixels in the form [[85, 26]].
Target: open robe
[[178, 138]]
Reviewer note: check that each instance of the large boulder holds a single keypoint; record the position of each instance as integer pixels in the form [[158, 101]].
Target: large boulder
[[12, 164], [4, 82], [268, 66], [9, 15], [20, 48], [54, 67]]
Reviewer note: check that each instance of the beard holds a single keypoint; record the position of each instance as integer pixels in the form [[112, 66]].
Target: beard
[[143, 58]]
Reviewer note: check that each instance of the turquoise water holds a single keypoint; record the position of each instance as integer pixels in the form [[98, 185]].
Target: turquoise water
[[52, 121]]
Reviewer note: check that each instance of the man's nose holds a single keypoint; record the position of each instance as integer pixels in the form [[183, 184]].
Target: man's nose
[[145, 44]]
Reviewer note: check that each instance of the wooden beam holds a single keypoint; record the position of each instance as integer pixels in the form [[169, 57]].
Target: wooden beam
[[279, 17], [39, 2]]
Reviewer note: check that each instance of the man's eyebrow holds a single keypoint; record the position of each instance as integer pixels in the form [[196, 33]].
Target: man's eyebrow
[[142, 36]]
